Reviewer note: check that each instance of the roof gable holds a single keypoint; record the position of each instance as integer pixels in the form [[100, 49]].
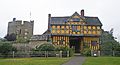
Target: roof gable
[[75, 17]]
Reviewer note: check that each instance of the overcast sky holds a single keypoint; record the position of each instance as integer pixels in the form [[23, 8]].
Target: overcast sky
[[108, 12]]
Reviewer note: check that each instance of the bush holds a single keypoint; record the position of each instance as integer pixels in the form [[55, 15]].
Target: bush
[[65, 49], [6, 49], [46, 47], [117, 53], [86, 52], [62, 48]]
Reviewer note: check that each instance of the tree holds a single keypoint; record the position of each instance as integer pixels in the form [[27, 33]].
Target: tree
[[108, 43], [46, 47], [6, 48], [10, 37]]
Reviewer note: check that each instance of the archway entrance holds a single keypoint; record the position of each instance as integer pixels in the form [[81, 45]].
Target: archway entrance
[[75, 44]]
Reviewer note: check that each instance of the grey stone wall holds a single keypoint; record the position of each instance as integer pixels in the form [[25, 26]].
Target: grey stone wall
[[28, 46], [23, 29]]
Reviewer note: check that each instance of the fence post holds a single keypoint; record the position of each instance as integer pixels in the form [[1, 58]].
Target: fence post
[[67, 53], [45, 53], [13, 54], [99, 53], [61, 54], [113, 53], [91, 52]]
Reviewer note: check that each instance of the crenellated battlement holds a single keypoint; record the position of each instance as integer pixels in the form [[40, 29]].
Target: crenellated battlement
[[23, 29]]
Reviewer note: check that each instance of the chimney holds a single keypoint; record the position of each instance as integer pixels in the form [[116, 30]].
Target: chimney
[[49, 17], [82, 12], [14, 19]]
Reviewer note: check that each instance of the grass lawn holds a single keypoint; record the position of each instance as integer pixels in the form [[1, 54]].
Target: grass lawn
[[33, 61], [102, 61]]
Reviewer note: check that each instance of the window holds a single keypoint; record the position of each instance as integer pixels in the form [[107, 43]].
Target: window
[[26, 33], [94, 27], [62, 27], [53, 31], [58, 27], [98, 27], [85, 32], [68, 23], [94, 32], [78, 27], [79, 23], [72, 22], [89, 27], [74, 33], [67, 27], [89, 32], [78, 32], [94, 43], [53, 27], [67, 31], [54, 39], [85, 27], [98, 32], [83, 23], [76, 23], [76, 16], [62, 31], [58, 31]]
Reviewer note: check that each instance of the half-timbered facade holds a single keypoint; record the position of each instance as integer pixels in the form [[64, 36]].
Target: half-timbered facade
[[76, 31]]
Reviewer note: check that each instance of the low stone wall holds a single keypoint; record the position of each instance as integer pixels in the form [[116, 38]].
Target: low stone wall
[[35, 43], [29, 46]]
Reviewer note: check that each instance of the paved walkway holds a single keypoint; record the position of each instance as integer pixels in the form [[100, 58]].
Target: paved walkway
[[77, 60]]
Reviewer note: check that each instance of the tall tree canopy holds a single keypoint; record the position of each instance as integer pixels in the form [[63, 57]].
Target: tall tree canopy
[[108, 42]]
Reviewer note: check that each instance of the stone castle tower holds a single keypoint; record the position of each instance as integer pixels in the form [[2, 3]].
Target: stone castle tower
[[22, 29]]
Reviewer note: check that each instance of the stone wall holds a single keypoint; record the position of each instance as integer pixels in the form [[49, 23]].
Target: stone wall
[[29, 46]]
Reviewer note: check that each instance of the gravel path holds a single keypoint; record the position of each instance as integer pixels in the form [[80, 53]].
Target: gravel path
[[77, 60]]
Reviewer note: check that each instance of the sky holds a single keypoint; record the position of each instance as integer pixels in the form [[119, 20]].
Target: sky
[[108, 12]]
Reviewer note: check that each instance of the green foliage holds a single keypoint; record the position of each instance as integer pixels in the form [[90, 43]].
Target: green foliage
[[117, 51], [50, 47], [6, 48], [46, 47], [65, 49], [117, 48], [71, 52], [108, 42], [22, 40], [109, 45], [62, 48], [86, 52]]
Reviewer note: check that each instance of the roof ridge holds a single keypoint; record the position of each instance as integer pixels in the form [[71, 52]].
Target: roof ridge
[[91, 16], [60, 17]]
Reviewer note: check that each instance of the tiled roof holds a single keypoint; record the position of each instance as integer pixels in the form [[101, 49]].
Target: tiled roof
[[59, 20], [93, 21], [88, 20]]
